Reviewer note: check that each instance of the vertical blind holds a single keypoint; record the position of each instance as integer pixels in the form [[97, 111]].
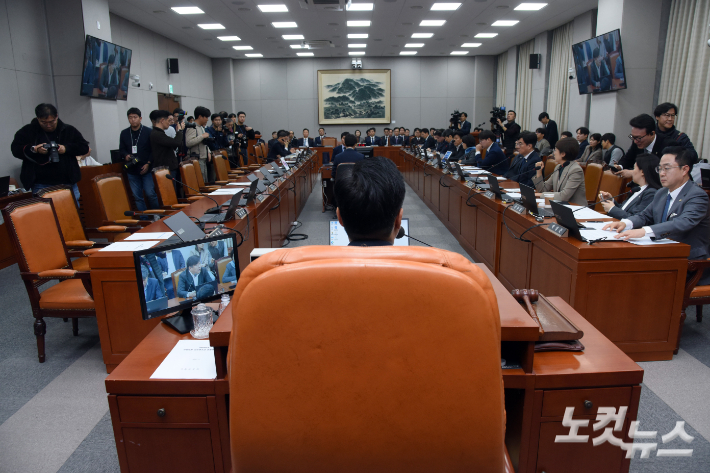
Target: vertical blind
[[523, 87], [558, 87], [500, 82]]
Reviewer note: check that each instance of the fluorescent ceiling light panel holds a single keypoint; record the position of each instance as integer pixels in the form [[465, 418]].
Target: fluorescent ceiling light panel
[[272, 8], [470, 45], [360, 45], [414, 45], [357, 53], [242, 48], [486, 35], [445, 6], [459, 53], [304, 54], [211, 26], [360, 6], [505, 23], [284, 24], [187, 10], [407, 53], [358, 36], [298, 46], [229, 38], [359, 23], [422, 35], [432, 22], [531, 6], [292, 36], [254, 55]]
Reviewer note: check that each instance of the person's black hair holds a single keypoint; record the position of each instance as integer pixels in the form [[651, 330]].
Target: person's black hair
[[350, 140], [214, 115], [567, 134], [469, 140], [516, 115], [274, 132], [356, 132], [370, 198], [595, 53], [241, 113], [540, 130], [406, 129], [282, 133], [417, 129], [448, 133], [201, 111], [528, 137], [583, 130], [133, 111], [644, 121], [486, 135], [321, 128], [111, 59], [598, 138], [682, 156], [306, 129], [157, 115], [190, 118], [231, 115], [438, 133], [569, 147], [610, 137], [461, 134], [192, 260], [344, 134], [178, 111], [424, 130], [371, 129], [257, 132], [464, 114], [542, 115], [45, 110], [664, 107], [144, 272], [648, 163]]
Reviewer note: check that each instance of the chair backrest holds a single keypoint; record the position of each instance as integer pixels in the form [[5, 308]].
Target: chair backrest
[[611, 183], [222, 266], [592, 178], [34, 229], [220, 168], [264, 149], [188, 176], [66, 211], [329, 141], [258, 152], [198, 172], [176, 277], [164, 187], [550, 165], [399, 380], [113, 199]]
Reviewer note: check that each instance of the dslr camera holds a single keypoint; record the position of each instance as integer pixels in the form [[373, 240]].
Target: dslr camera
[[53, 149], [498, 113], [132, 164], [454, 120]]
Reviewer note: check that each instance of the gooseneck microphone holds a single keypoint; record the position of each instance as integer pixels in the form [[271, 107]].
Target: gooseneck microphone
[[632, 191], [213, 210], [401, 234]]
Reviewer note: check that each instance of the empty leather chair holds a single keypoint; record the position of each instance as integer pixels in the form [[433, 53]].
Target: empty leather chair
[[610, 183], [165, 189], [380, 377], [592, 179], [188, 176], [329, 141]]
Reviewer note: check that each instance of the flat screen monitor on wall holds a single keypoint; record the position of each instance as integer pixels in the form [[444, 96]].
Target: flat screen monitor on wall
[[106, 70], [599, 64]]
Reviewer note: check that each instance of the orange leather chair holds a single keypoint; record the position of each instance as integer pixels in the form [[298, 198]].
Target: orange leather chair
[[550, 166], [198, 173], [592, 180], [42, 257], [175, 276], [165, 189], [220, 169], [610, 183], [221, 265], [384, 377], [329, 141], [188, 176]]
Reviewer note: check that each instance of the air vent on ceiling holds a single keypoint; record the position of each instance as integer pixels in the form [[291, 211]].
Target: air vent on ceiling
[[327, 5], [318, 44]]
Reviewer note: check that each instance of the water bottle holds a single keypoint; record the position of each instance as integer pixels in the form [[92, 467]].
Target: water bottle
[[224, 303], [202, 320]]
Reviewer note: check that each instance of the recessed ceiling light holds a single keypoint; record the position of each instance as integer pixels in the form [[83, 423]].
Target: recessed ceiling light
[[422, 35], [229, 38], [292, 36], [284, 24], [254, 55], [272, 8], [505, 23], [304, 54], [360, 45], [211, 26], [356, 53], [357, 35], [459, 53], [470, 45], [407, 53], [187, 10], [298, 46], [531, 6], [359, 23], [445, 6], [360, 6], [432, 22], [414, 45], [242, 48], [486, 35]]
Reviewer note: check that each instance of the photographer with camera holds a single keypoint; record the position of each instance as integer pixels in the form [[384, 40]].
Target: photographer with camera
[[163, 146], [48, 149], [464, 124], [197, 139], [509, 131], [134, 148], [243, 133], [217, 132]]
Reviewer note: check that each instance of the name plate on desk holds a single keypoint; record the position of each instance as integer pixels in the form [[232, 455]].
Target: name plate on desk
[[240, 213], [272, 188], [470, 184], [558, 230], [490, 195], [446, 172], [430, 162], [260, 198], [518, 208]]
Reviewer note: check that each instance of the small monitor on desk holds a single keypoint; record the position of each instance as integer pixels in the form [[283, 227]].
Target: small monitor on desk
[[175, 277], [338, 236]]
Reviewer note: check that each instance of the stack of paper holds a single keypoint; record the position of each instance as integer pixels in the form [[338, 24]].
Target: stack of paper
[[189, 359], [225, 191], [129, 246], [239, 184], [585, 213], [149, 236]]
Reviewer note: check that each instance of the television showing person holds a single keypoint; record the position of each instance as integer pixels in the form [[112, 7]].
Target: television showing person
[[193, 277], [151, 288]]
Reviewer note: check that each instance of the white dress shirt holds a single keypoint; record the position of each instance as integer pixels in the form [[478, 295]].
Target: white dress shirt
[[649, 148], [649, 232]]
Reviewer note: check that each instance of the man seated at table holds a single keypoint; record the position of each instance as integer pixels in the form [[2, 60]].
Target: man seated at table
[[429, 141], [279, 149], [495, 160], [522, 169], [230, 273], [349, 155], [151, 288], [370, 198], [194, 276], [371, 139]]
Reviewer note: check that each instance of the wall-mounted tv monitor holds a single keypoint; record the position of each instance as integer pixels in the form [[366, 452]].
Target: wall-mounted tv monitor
[[175, 277], [599, 64], [106, 70]]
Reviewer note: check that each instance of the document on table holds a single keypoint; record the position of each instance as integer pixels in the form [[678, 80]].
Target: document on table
[[594, 231], [593, 234], [150, 236], [129, 246], [239, 184], [586, 213], [189, 359], [226, 191]]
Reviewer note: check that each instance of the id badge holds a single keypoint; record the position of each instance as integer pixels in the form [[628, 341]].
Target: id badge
[[134, 149]]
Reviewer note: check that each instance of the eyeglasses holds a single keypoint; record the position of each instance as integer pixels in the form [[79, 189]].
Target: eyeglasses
[[665, 168], [669, 115], [638, 138]]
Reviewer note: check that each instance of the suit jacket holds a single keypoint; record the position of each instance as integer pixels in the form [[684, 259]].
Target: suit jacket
[[599, 74], [336, 151], [637, 206], [406, 140], [442, 147], [163, 148], [306, 142], [495, 161], [567, 187], [397, 140], [319, 140], [187, 284], [688, 222], [385, 140], [416, 141], [430, 143], [551, 134], [152, 290], [276, 150], [347, 156], [230, 274], [372, 141], [629, 159], [522, 170], [457, 154], [582, 146], [465, 127], [178, 260], [592, 157]]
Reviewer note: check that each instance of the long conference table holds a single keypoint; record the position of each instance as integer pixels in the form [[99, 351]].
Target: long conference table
[[183, 425]]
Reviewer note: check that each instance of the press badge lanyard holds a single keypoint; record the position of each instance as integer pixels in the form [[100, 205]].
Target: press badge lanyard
[[134, 148]]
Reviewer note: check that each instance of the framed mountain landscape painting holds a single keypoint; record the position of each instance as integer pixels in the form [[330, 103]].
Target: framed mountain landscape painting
[[359, 96]]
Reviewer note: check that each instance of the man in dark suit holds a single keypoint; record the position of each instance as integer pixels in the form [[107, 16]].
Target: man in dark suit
[[441, 144], [397, 139], [458, 149], [230, 273], [601, 76], [511, 131], [170, 261], [386, 139], [522, 169], [643, 139], [109, 79], [195, 275], [464, 125], [407, 138], [551, 133], [151, 287], [679, 210], [279, 149], [341, 147], [306, 141], [582, 139], [371, 139], [321, 135], [429, 141], [349, 155], [417, 138], [495, 160]]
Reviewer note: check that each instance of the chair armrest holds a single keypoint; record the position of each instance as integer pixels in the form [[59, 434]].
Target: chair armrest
[[193, 198], [79, 243], [112, 229], [125, 221], [154, 212], [179, 206], [222, 183], [507, 463], [696, 268], [91, 251]]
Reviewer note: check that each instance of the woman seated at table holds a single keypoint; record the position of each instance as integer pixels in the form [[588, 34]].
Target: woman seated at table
[[593, 153], [358, 135], [567, 180], [644, 174], [469, 145]]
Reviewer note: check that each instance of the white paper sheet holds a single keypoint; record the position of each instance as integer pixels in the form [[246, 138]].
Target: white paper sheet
[[129, 246], [646, 241], [189, 359], [238, 184], [586, 213], [226, 191], [597, 234], [150, 236]]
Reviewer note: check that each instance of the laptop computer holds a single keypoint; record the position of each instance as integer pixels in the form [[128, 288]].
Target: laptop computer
[[495, 188], [264, 170], [527, 198], [250, 195], [565, 217], [184, 228], [231, 210], [277, 169], [339, 237], [260, 187], [4, 186], [157, 304]]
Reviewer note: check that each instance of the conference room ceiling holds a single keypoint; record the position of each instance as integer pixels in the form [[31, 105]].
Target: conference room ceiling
[[392, 24]]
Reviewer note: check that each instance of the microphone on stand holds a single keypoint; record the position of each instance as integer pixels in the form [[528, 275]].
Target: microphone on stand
[[213, 210], [401, 234], [632, 191]]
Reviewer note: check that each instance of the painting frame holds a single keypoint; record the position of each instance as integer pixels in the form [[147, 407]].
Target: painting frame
[[329, 78]]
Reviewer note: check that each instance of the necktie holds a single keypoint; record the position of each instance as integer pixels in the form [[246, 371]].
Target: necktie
[[664, 217]]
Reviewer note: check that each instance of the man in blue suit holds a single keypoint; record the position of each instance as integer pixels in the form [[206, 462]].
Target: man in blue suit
[[371, 139], [230, 273], [349, 155], [340, 148], [321, 135], [522, 169], [170, 261], [151, 288], [495, 160], [465, 125], [306, 141]]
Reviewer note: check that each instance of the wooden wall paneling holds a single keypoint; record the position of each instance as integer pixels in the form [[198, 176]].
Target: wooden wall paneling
[[487, 228], [551, 272], [515, 255], [456, 198]]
